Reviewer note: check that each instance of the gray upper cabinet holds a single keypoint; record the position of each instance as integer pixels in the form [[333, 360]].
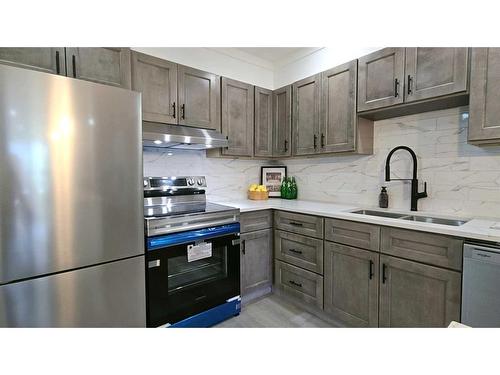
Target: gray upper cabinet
[[417, 295], [338, 108], [263, 122], [48, 60], [484, 111], [381, 79], [433, 72], [351, 285], [238, 117], [199, 98], [306, 108], [156, 79], [282, 121], [256, 261], [109, 66]]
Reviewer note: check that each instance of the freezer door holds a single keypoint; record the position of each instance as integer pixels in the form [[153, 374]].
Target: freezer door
[[108, 295], [70, 174]]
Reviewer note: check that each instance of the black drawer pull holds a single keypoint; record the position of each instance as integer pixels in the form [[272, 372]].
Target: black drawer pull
[[370, 272], [295, 283], [58, 68], [409, 84], [295, 251], [322, 140], [296, 224], [243, 247], [384, 278], [173, 108], [315, 141], [183, 111], [396, 87], [286, 145], [73, 60]]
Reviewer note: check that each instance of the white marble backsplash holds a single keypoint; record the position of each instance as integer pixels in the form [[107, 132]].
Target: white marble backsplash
[[462, 179]]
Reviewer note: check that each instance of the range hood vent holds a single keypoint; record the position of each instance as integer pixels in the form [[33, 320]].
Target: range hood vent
[[181, 137]]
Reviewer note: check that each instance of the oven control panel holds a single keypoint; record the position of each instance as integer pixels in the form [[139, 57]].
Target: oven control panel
[[174, 182]]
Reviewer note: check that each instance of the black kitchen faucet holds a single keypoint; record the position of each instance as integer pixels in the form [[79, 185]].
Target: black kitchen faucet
[[415, 195]]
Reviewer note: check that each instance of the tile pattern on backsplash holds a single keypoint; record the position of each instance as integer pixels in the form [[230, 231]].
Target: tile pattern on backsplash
[[462, 179]]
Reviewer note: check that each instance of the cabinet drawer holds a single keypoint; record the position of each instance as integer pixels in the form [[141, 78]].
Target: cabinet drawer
[[298, 283], [299, 250], [423, 247], [361, 235], [297, 223], [255, 220]]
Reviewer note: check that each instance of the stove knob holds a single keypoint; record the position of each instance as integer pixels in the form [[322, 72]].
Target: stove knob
[[200, 181], [190, 182]]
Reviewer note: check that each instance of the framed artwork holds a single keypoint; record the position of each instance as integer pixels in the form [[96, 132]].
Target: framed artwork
[[272, 177]]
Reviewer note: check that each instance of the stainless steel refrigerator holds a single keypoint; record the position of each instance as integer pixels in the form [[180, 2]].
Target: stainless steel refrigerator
[[71, 215]]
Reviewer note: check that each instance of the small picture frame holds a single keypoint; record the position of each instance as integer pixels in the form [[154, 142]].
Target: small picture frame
[[272, 177]]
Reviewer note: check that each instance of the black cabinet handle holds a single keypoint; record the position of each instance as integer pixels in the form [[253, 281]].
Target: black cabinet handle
[[73, 60], [296, 224], [384, 278], [173, 109], [58, 68], [315, 141], [409, 84], [286, 145], [295, 251], [243, 247], [322, 140], [370, 272], [295, 283], [396, 87], [183, 111]]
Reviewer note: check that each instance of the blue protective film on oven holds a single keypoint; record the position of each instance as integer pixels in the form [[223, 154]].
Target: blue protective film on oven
[[154, 243]]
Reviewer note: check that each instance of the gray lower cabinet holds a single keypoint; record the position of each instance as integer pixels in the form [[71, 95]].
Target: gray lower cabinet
[[307, 225], [282, 121], [199, 98], [47, 60], [109, 66], [306, 114], [256, 261], [381, 79], [298, 283], [156, 79], [351, 285], [417, 295], [263, 122], [365, 236], [238, 117], [433, 72], [484, 111], [256, 220], [338, 108]]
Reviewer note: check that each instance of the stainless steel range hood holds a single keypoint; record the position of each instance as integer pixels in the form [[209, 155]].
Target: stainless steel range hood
[[181, 137]]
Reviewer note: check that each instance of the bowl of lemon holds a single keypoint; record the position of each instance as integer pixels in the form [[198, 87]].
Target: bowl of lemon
[[257, 192]]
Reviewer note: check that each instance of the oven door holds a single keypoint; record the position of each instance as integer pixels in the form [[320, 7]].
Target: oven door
[[183, 280]]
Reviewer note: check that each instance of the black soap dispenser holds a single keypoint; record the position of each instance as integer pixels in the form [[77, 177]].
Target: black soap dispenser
[[383, 198]]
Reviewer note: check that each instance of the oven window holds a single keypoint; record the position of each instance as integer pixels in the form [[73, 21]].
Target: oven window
[[183, 274]]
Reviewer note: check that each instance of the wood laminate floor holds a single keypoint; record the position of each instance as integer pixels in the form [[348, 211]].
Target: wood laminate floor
[[273, 311]]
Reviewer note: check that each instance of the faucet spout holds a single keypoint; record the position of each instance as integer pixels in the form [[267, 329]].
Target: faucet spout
[[415, 194]]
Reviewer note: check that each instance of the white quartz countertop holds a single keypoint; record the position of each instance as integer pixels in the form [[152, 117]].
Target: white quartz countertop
[[478, 229]]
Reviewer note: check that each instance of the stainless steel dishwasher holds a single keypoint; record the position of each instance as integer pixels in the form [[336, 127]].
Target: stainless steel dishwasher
[[481, 285]]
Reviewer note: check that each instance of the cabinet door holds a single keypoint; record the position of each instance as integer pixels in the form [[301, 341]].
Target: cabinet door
[[351, 284], [156, 79], [237, 117], [432, 72], [282, 121], [417, 295], [484, 111], [199, 98], [305, 118], [338, 109], [48, 60], [109, 66], [381, 79], [263, 122], [256, 260]]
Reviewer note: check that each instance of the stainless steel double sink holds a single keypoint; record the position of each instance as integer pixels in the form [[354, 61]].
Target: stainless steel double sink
[[419, 218]]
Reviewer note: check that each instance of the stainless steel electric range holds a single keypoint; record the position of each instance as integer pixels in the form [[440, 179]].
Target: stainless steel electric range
[[192, 254]]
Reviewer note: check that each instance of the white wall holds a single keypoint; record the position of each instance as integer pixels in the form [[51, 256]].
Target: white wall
[[316, 62], [215, 60]]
